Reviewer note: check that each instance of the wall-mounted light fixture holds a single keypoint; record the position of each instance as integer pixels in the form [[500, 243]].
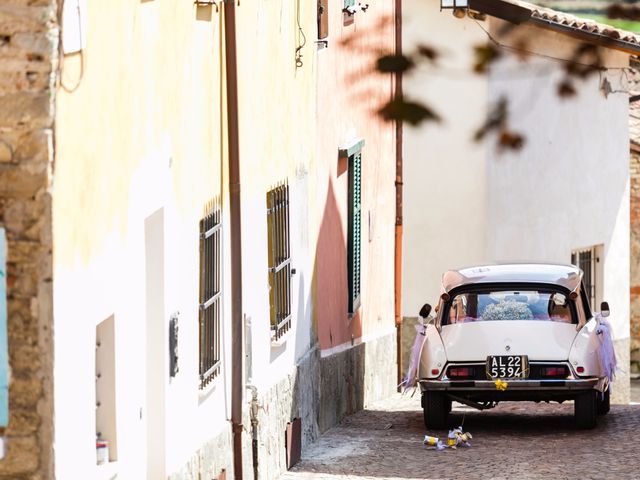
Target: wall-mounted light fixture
[[445, 4], [459, 7], [207, 3]]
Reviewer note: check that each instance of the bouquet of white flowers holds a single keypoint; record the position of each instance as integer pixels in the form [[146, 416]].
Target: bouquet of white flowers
[[507, 310]]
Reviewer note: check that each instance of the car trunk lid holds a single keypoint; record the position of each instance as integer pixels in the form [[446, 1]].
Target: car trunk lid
[[539, 340]]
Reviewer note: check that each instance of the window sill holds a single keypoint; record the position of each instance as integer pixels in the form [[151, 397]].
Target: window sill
[[208, 390], [281, 340], [107, 471]]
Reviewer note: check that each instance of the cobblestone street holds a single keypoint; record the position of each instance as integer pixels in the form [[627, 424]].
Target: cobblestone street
[[514, 440]]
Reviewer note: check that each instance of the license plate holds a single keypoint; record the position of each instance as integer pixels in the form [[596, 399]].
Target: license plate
[[508, 366]]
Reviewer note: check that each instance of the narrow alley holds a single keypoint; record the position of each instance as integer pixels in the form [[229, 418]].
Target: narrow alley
[[515, 440]]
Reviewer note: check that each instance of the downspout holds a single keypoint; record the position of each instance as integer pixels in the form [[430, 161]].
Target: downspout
[[398, 229], [254, 428], [237, 383]]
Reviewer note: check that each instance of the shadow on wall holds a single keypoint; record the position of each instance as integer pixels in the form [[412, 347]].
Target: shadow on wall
[[323, 390], [341, 382], [334, 326]]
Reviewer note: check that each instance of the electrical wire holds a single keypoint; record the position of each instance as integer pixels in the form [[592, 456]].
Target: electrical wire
[[541, 55], [301, 35], [62, 56], [80, 75]]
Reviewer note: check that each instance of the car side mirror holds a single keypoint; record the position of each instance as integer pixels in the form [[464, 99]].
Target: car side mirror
[[604, 309], [425, 311]]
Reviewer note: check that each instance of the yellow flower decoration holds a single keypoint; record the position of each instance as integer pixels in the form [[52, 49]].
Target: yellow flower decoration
[[500, 385]]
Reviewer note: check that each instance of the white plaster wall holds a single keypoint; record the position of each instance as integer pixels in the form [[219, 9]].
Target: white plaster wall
[[445, 194], [270, 363], [569, 186], [114, 284]]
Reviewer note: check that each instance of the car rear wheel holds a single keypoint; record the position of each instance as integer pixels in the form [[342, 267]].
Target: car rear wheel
[[604, 402], [586, 409], [436, 408]]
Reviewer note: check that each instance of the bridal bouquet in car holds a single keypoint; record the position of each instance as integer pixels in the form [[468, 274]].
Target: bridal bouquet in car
[[507, 310]]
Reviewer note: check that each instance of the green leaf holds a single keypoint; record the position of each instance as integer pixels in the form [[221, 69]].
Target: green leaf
[[511, 140], [566, 89], [406, 111], [394, 63], [623, 12], [485, 55], [428, 52]]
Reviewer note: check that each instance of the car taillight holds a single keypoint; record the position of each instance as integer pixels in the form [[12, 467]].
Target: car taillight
[[554, 372], [580, 369], [435, 371], [460, 372]]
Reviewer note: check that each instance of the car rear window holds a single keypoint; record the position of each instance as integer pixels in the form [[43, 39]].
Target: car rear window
[[510, 304]]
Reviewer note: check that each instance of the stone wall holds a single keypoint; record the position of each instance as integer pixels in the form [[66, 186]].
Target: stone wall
[[408, 338], [214, 457], [634, 172], [319, 391], [28, 55]]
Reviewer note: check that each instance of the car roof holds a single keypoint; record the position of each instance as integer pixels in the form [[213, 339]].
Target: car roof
[[566, 276]]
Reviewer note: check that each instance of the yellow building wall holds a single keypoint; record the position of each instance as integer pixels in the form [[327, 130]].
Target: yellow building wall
[[139, 152], [140, 138], [149, 81], [140, 131]]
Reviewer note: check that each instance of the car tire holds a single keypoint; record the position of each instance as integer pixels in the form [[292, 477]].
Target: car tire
[[604, 402], [436, 409], [586, 409]]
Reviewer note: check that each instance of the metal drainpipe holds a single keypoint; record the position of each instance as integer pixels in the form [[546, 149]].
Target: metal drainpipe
[[398, 183], [254, 428], [237, 383]]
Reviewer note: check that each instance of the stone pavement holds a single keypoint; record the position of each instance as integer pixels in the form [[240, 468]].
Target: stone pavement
[[515, 440]]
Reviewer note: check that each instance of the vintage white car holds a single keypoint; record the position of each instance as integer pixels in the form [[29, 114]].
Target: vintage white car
[[515, 333]]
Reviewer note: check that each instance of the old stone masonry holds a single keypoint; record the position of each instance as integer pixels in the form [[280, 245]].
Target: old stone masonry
[[28, 59]]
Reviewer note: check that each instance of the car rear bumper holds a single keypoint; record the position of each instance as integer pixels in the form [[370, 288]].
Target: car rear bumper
[[508, 385]]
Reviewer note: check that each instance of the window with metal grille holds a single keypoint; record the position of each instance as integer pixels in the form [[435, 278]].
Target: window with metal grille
[[354, 230], [279, 260], [586, 260], [210, 292]]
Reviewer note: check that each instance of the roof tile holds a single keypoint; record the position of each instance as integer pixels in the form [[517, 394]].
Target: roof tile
[[569, 20]]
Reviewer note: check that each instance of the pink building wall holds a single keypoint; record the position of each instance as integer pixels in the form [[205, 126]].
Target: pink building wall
[[345, 114]]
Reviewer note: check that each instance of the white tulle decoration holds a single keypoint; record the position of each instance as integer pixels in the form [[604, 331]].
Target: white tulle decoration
[[606, 352]]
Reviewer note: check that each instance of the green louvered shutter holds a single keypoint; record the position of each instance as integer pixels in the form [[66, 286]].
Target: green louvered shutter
[[355, 229]]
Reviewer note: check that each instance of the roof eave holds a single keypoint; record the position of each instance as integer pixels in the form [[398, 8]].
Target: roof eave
[[590, 37], [520, 15]]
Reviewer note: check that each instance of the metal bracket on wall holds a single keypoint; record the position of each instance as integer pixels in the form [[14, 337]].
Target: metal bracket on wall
[[208, 3], [173, 344]]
